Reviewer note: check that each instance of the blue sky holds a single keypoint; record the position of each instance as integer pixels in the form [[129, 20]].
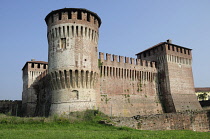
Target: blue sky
[[128, 27]]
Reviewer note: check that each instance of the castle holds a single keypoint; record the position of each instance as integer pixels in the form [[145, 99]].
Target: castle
[[77, 78]]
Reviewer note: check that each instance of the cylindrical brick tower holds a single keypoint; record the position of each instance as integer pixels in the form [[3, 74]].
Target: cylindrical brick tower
[[73, 59]]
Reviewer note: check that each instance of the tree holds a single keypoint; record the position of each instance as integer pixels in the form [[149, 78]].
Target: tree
[[202, 96]]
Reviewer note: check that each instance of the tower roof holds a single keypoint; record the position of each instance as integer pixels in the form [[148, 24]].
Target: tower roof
[[73, 9]]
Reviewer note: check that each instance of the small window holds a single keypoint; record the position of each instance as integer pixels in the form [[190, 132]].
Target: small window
[[63, 43], [168, 47], [45, 66], [144, 54], [75, 94], [32, 65], [38, 66]]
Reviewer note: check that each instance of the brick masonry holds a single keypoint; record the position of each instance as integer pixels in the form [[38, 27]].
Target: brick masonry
[[196, 121], [159, 81]]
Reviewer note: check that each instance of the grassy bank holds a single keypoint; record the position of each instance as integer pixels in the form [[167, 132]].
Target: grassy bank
[[80, 126]]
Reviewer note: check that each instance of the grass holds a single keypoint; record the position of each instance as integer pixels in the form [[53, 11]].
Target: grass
[[84, 127]]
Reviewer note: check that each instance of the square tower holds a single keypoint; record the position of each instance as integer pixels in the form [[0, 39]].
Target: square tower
[[175, 77], [31, 71]]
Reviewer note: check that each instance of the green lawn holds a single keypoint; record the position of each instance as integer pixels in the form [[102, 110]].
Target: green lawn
[[87, 130], [81, 126]]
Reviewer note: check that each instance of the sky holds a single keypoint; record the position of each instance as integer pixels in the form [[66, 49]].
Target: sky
[[128, 27]]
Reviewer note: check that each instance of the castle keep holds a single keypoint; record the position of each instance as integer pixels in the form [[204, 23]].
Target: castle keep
[[77, 77]]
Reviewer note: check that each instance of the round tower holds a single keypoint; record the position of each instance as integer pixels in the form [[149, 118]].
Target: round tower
[[73, 59]]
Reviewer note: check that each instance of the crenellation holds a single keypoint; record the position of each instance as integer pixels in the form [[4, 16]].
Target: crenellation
[[132, 60]]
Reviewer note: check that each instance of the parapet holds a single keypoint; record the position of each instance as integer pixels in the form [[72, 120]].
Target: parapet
[[165, 47], [125, 60], [72, 15], [36, 64]]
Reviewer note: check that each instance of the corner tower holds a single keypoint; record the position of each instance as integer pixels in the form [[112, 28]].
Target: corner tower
[[175, 77], [73, 59]]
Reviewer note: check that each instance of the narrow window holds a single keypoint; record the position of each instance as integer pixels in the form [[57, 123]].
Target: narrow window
[[92, 34], [85, 31], [77, 31], [104, 71], [184, 51], [82, 78], [76, 78], [63, 43], [91, 78], [71, 78], [59, 31], [32, 65], [89, 33], [64, 31], [114, 72], [86, 77], [181, 50], [188, 52], [173, 48], [168, 47], [177, 49], [68, 30], [38, 66], [56, 33], [107, 71], [72, 28], [81, 30], [45, 66]]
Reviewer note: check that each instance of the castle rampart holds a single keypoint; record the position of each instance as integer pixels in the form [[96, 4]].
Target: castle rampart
[[128, 80]]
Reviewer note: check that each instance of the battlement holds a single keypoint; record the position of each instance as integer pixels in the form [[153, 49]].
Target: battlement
[[74, 15], [36, 65], [165, 48], [109, 58]]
